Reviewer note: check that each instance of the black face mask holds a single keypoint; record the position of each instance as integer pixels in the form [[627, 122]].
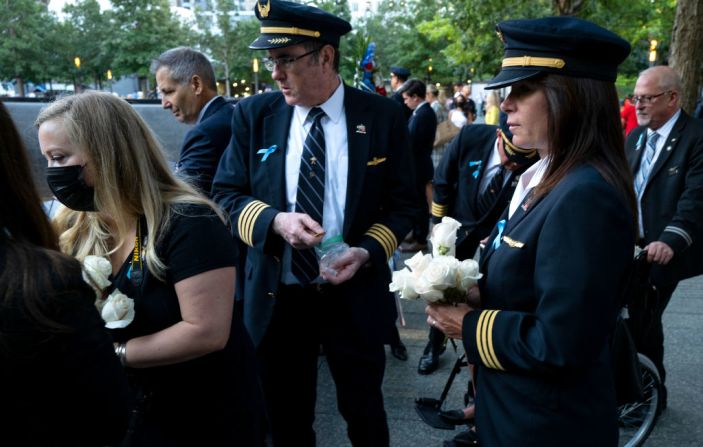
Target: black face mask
[[67, 184]]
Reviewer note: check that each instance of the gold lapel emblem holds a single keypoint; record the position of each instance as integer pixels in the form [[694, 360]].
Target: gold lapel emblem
[[376, 161], [360, 128], [513, 243], [264, 9]]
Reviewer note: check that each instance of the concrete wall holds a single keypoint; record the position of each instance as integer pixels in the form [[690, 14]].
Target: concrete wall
[[168, 131]]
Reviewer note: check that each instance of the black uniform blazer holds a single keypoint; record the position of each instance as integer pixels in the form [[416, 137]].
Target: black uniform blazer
[[204, 144], [456, 186], [398, 97], [550, 296], [422, 127], [379, 208], [672, 201]]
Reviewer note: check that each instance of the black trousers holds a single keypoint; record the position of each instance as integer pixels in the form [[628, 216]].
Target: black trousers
[[305, 318], [664, 279], [421, 222]]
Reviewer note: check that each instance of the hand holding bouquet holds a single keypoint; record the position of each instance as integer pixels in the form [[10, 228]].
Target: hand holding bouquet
[[437, 278]]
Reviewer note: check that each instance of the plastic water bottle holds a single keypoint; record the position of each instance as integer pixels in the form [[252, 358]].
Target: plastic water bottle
[[329, 252]]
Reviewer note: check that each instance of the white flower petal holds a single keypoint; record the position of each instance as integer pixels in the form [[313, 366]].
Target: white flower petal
[[118, 310]]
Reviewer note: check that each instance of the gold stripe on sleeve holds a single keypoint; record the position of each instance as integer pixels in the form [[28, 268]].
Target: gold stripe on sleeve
[[439, 210], [484, 339], [489, 334], [247, 220], [385, 237], [480, 338]]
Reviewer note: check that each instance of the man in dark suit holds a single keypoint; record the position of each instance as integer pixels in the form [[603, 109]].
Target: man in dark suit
[[186, 82], [399, 82], [313, 162], [462, 190], [666, 157], [422, 127]]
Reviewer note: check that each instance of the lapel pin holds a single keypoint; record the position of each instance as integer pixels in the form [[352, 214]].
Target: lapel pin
[[360, 128], [376, 161], [265, 152], [476, 164], [640, 141]]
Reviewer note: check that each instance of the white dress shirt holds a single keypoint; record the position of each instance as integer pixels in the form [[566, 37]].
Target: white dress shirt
[[334, 126]]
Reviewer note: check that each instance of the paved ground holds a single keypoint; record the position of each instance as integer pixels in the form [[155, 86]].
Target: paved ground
[[680, 425]]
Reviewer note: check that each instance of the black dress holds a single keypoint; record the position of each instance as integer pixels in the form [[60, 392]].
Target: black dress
[[60, 386], [212, 400]]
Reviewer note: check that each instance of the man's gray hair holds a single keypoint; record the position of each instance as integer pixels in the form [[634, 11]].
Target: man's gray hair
[[183, 63]]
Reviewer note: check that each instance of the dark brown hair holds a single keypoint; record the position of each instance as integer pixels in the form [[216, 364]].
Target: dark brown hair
[[584, 127], [26, 233]]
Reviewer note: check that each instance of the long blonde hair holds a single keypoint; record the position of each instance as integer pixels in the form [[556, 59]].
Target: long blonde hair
[[132, 177]]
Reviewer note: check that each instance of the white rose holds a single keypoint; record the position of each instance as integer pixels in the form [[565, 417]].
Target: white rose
[[419, 262], [441, 273], [443, 237], [117, 310], [96, 272], [427, 292], [467, 274], [404, 282]]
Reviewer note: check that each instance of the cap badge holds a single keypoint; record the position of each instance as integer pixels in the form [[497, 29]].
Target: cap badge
[[264, 9]]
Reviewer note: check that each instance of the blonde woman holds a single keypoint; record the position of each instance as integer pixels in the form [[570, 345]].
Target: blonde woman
[[191, 361], [492, 109]]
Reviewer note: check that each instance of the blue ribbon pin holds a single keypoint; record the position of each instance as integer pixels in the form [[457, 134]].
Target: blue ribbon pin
[[499, 236], [640, 141], [477, 170], [267, 152]]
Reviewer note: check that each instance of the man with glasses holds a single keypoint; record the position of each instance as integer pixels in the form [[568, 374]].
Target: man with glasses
[[313, 165], [666, 157]]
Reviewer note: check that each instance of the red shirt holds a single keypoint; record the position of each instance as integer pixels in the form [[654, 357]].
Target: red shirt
[[629, 116]]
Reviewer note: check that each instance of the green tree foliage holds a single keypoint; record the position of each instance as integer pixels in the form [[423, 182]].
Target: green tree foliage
[[400, 41], [143, 30], [226, 40], [90, 33], [24, 28]]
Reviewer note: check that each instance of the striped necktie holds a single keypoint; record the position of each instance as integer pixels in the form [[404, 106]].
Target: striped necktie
[[488, 197], [311, 194], [646, 164]]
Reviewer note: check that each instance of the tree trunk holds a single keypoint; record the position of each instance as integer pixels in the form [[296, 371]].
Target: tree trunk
[[567, 7], [687, 50], [228, 82], [19, 82]]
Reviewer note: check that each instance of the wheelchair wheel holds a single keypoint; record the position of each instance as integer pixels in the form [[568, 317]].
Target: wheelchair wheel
[[637, 419]]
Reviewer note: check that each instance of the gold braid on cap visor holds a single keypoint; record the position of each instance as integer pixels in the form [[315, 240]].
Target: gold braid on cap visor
[[289, 30], [530, 61], [511, 149]]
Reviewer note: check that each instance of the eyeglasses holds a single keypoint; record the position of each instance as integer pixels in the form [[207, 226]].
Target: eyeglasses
[[285, 62], [646, 99]]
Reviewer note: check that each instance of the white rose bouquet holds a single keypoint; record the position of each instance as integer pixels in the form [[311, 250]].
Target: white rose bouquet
[[117, 309], [439, 277]]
